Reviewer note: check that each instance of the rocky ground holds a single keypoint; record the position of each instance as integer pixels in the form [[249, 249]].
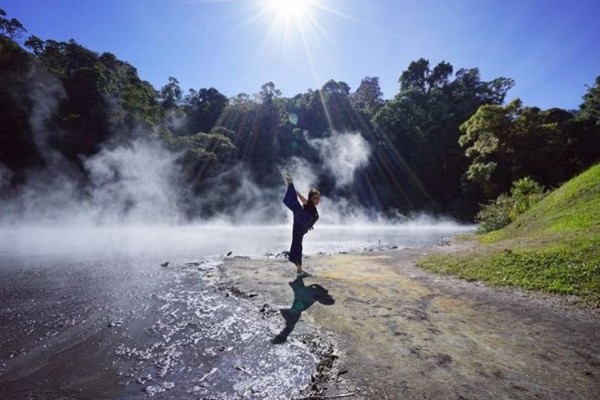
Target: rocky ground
[[368, 325], [402, 333]]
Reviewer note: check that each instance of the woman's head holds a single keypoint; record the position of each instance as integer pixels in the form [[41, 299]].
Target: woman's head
[[314, 196]]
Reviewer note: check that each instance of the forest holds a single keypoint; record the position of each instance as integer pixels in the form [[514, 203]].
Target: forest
[[446, 143]]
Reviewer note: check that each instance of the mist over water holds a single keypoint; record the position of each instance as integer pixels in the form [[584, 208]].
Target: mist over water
[[212, 241], [130, 206], [128, 199]]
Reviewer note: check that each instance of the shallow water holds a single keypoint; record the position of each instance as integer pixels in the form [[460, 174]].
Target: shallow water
[[211, 240], [91, 312]]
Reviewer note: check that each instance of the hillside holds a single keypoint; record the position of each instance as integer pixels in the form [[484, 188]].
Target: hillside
[[554, 247]]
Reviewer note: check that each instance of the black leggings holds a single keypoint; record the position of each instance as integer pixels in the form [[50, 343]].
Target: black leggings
[[296, 249]]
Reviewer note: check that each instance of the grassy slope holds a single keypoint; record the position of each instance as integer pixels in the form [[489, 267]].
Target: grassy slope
[[554, 247]]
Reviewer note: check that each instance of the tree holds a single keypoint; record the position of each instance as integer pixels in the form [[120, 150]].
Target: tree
[[590, 109], [482, 137], [420, 128], [203, 110], [513, 142], [171, 94], [241, 99], [420, 78], [368, 97], [10, 28], [268, 93], [331, 88], [35, 44], [18, 149]]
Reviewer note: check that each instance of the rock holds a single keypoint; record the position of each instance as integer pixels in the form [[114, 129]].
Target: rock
[[115, 323], [192, 264]]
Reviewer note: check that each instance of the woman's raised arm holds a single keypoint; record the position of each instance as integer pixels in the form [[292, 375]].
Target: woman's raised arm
[[302, 198]]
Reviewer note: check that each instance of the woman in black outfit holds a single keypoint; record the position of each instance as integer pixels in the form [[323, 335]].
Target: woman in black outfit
[[305, 216]]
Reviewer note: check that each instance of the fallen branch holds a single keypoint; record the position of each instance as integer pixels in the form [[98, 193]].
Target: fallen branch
[[339, 396]]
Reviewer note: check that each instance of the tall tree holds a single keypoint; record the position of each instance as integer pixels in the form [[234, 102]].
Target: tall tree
[[421, 125], [10, 28], [513, 142], [590, 109], [268, 93], [203, 110], [171, 95], [368, 97]]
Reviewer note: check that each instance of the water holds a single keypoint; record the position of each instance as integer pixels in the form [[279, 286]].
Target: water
[[97, 312], [199, 242]]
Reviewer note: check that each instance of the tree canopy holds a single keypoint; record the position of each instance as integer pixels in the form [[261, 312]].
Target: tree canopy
[[446, 142]]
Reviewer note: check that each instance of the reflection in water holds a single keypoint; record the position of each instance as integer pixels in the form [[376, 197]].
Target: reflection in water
[[304, 297]]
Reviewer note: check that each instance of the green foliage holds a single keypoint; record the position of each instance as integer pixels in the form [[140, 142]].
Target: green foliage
[[202, 109], [268, 93], [421, 126], [590, 109], [553, 269], [18, 150], [368, 97], [505, 143], [171, 94], [10, 28], [506, 208], [96, 98], [572, 209], [553, 247], [215, 144]]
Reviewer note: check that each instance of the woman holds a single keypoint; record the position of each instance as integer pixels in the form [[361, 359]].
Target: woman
[[305, 216]]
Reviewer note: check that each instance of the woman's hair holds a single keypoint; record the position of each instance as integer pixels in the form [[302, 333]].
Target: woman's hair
[[313, 192], [310, 206]]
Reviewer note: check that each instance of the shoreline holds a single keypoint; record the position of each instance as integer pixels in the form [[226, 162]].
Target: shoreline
[[402, 331], [368, 325]]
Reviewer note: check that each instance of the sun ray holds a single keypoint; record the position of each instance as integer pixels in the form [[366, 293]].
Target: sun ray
[[315, 77], [322, 31], [347, 17]]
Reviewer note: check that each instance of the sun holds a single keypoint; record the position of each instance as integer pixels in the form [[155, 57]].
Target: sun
[[290, 8]]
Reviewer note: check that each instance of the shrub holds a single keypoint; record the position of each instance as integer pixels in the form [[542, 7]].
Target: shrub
[[524, 193]]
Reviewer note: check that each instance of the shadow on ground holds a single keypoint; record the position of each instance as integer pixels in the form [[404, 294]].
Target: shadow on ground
[[304, 297]]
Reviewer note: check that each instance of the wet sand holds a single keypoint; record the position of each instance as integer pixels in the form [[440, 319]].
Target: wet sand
[[403, 333]]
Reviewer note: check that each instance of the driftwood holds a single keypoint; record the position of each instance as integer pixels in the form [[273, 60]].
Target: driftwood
[[339, 396]]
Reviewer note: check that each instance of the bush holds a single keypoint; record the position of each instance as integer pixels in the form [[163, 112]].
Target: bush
[[524, 193]]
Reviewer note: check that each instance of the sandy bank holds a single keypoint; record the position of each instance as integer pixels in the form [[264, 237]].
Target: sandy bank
[[405, 333]]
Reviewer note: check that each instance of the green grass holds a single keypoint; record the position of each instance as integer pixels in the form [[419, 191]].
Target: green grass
[[554, 247]]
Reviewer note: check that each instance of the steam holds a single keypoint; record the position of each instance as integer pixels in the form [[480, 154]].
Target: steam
[[303, 174], [5, 176], [137, 181], [130, 182], [342, 155], [133, 183]]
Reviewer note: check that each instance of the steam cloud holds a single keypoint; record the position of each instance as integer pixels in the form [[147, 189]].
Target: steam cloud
[[342, 154], [128, 182], [136, 181]]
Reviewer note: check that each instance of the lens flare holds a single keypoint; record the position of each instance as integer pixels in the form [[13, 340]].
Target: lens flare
[[290, 8]]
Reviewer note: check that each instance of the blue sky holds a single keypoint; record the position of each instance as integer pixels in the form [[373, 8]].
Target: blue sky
[[551, 48]]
